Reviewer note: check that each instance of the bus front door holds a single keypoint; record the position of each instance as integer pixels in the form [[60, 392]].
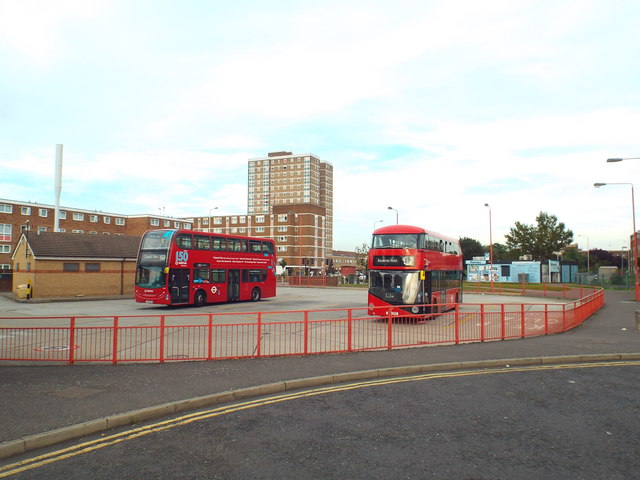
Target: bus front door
[[233, 285], [179, 285]]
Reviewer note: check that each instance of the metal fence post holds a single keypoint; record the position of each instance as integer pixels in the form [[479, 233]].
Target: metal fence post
[[259, 339], [72, 339], [210, 338], [522, 323], [502, 322], [457, 326], [546, 319], [114, 354], [349, 330], [306, 332], [389, 331], [482, 322], [161, 353]]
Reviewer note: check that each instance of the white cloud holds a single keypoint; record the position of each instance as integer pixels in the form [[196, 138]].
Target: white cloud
[[33, 28]]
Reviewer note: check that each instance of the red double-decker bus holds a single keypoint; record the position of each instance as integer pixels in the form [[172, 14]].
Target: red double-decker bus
[[413, 270], [178, 267]]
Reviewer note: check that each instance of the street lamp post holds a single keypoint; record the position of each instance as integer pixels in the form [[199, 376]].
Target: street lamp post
[[616, 160], [635, 234], [376, 223], [588, 250], [490, 247], [391, 208]]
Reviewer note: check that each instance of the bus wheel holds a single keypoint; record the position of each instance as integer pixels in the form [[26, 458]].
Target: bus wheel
[[255, 295], [200, 299]]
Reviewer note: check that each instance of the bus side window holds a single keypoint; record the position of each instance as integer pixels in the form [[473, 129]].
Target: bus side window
[[267, 247], [184, 240], [219, 244], [218, 276], [244, 247], [255, 246], [202, 242], [200, 275]]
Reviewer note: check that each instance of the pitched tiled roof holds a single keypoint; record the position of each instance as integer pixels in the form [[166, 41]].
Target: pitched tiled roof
[[76, 245]]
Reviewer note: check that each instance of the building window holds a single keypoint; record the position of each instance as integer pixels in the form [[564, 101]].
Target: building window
[[176, 224], [167, 223], [78, 216], [5, 232], [43, 212], [119, 221], [4, 208], [217, 221], [25, 210], [5, 248], [93, 232], [260, 219], [70, 267], [259, 229], [282, 249], [42, 229], [282, 228], [282, 218], [93, 218], [62, 230], [77, 231], [155, 222], [106, 220], [234, 220], [5, 266], [62, 215], [187, 226], [91, 267]]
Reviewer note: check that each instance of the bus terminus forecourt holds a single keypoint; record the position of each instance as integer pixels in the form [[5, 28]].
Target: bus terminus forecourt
[[413, 270], [177, 267]]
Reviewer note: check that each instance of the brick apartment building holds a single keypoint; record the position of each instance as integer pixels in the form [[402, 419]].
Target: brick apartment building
[[282, 179], [290, 201], [17, 217]]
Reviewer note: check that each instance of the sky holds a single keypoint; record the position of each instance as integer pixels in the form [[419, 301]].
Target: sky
[[432, 108]]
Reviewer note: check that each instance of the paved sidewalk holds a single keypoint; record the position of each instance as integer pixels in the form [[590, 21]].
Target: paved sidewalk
[[37, 399]]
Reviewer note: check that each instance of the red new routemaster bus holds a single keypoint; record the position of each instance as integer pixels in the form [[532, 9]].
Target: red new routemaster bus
[[178, 267], [413, 270]]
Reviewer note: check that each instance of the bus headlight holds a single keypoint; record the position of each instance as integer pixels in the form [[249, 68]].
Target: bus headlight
[[415, 309], [409, 261]]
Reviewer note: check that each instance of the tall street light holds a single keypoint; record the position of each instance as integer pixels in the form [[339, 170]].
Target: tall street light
[[635, 235], [376, 223], [615, 160], [490, 247], [391, 208], [588, 250]]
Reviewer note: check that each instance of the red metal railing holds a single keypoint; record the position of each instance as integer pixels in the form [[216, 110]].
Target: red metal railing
[[209, 336]]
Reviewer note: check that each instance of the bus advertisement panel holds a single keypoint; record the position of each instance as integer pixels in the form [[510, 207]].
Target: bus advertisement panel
[[177, 267], [413, 270]]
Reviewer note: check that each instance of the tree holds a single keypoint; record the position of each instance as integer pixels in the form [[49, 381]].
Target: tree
[[362, 256], [542, 240], [471, 248], [572, 254], [500, 252]]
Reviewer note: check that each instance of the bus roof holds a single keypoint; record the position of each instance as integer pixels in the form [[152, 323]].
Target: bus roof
[[194, 232], [399, 229]]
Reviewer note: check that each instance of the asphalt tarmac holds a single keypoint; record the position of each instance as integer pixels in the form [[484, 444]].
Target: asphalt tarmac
[[39, 399]]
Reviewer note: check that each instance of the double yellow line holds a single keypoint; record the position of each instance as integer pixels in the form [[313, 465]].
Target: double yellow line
[[103, 442]]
